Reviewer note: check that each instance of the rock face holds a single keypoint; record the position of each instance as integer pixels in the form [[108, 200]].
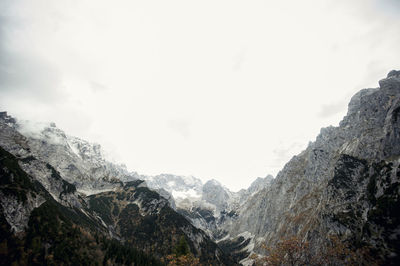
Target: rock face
[[259, 184], [214, 193], [346, 183]]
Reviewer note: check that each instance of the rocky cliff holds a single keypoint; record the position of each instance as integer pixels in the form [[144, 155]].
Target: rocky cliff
[[346, 183]]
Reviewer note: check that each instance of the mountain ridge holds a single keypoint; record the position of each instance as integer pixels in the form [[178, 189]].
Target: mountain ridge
[[118, 198], [338, 183], [345, 184]]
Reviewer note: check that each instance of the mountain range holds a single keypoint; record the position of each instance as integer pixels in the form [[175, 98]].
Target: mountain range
[[58, 191]]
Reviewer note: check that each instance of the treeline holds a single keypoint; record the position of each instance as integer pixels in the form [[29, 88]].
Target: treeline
[[52, 239]]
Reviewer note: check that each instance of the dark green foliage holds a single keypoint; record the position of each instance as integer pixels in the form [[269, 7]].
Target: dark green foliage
[[9, 246], [182, 248], [102, 206], [13, 180], [133, 183], [56, 235], [155, 232], [59, 235], [144, 192], [122, 196], [55, 230], [371, 189], [115, 211], [124, 255], [235, 247], [73, 245]]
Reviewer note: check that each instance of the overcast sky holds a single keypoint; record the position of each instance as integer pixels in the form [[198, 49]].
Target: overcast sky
[[229, 90]]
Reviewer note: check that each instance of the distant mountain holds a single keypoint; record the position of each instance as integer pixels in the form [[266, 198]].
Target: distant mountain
[[63, 202], [208, 206]]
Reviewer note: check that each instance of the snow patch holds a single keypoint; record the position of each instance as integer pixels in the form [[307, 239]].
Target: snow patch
[[191, 193], [89, 192], [224, 238], [74, 149], [246, 234]]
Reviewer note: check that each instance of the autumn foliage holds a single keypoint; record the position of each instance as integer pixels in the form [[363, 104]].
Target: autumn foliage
[[183, 260], [182, 255], [295, 251]]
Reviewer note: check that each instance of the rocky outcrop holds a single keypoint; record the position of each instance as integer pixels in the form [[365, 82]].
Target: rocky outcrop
[[345, 183], [216, 194]]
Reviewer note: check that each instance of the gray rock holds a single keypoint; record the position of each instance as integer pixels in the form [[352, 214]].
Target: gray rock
[[334, 185]]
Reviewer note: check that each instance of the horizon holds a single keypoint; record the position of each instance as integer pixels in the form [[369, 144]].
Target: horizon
[[218, 90]]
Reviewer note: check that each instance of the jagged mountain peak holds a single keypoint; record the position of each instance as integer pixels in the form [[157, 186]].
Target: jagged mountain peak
[[259, 184], [7, 119], [212, 182], [391, 82], [80, 162], [393, 73]]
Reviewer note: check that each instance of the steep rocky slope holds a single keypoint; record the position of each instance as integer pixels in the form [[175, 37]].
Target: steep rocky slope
[[144, 219], [36, 229], [125, 217], [346, 183], [79, 162]]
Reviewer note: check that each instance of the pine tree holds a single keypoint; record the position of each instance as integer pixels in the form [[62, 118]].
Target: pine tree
[[182, 248]]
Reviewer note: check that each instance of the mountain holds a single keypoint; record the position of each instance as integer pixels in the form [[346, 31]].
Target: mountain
[[335, 203], [79, 162], [37, 227], [144, 219], [345, 184], [57, 192], [179, 189], [209, 206]]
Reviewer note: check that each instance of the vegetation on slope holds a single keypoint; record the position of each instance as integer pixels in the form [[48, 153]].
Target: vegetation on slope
[[56, 235]]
